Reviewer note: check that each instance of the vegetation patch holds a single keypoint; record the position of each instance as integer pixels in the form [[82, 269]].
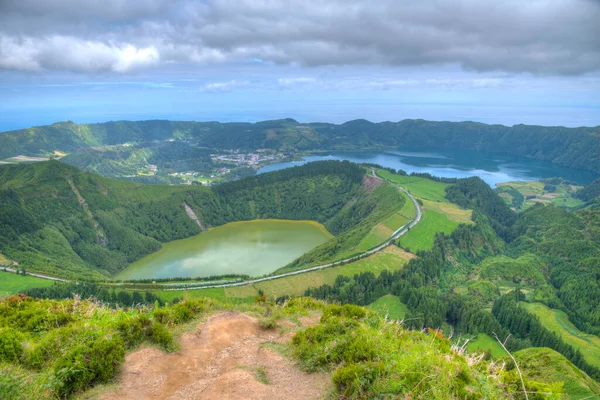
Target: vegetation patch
[[389, 306], [452, 211], [11, 283], [390, 259], [522, 195], [558, 322], [527, 269], [417, 186], [372, 358], [422, 236], [547, 370], [483, 343]]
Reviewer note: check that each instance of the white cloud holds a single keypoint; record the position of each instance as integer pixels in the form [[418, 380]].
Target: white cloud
[[227, 86], [537, 36], [73, 54], [295, 81]]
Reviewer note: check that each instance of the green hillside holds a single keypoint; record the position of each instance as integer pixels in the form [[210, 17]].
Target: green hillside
[[71, 346], [57, 219], [544, 368], [570, 147]]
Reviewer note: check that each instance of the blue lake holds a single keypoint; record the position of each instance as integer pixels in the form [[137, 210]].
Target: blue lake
[[493, 168]]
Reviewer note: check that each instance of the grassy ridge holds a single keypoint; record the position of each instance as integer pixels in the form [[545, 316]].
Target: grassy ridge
[[419, 187], [364, 214], [72, 346], [558, 322], [549, 367], [439, 215]]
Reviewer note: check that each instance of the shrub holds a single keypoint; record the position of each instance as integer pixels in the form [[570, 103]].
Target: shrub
[[347, 311], [161, 315], [10, 345], [161, 336], [94, 362], [268, 323], [354, 379], [131, 330]]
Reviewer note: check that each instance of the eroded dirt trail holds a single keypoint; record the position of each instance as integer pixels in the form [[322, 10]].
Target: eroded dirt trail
[[218, 361]]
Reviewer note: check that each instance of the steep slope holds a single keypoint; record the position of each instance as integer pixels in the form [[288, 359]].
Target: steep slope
[[63, 221], [543, 367]]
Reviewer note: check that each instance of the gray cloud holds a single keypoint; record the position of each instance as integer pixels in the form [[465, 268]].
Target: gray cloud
[[538, 36]]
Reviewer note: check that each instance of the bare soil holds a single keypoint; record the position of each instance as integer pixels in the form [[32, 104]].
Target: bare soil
[[219, 360], [371, 183]]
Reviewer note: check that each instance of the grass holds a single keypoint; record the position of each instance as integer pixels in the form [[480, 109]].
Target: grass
[[557, 321], [422, 236], [261, 375], [11, 283], [391, 259], [527, 269], [547, 366], [451, 210], [439, 215], [213, 293], [382, 231], [377, 359], [562, 197], [417, 186], [390, 306], [483, 343]]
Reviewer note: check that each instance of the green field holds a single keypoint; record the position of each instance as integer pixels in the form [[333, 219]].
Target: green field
[[483, 342], [439, 215], [390, 306], [391, 259], [382, 231], [558, 322], [417, 186], [422, 236], [534, 192], [11, 283]]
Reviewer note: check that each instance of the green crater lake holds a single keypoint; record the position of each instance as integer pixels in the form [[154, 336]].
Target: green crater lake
[[251, 247]]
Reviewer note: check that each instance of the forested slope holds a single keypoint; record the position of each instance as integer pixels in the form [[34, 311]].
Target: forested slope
[[551, 254], [58, 219], [569, 147]]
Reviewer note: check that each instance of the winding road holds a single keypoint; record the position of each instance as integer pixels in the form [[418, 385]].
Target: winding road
[[398, 233], [395, 235]]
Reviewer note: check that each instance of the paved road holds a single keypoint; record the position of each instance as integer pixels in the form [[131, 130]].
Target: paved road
[[399, 232], [36, 275]]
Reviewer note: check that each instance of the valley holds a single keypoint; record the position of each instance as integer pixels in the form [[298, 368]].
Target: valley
[[470, 257]]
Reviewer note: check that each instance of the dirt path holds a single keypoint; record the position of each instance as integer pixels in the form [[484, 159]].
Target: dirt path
[[218, 360]]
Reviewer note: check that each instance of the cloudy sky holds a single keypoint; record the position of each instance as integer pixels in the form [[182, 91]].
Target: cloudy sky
[[512, 61]]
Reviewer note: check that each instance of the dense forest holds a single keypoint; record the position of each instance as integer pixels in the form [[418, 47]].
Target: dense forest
[[569, 147], [590, 194], [552, 253], [60, 220]]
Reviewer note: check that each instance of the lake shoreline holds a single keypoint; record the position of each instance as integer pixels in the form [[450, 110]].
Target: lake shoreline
[[250, 247]]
